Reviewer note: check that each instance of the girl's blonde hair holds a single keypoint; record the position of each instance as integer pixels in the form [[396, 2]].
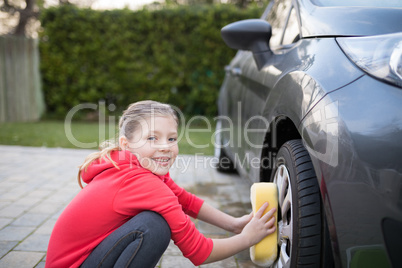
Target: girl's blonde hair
[[129, 122]]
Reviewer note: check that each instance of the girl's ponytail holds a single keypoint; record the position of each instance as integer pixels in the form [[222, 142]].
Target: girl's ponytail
[[105, 149]]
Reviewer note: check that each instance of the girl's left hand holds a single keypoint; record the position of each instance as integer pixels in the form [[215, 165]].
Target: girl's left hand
[[239, 223]]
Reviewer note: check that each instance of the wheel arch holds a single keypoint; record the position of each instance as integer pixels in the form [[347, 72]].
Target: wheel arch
[[282, 129]]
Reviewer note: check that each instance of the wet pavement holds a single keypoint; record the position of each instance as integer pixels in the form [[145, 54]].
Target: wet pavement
[[37, 183]]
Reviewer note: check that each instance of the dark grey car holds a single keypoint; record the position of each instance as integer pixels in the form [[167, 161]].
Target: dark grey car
[[313, 102]]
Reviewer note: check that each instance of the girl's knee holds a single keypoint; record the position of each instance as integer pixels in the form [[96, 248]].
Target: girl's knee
[[157, 226]]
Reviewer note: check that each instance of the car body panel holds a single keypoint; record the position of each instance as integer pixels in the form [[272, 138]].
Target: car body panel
[[278, 90], [359, 186]]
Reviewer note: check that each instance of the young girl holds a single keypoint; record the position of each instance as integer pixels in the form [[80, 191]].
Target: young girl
[[130, 208]]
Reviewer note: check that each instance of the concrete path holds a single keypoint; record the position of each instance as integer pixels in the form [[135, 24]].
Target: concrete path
[[37, 183]]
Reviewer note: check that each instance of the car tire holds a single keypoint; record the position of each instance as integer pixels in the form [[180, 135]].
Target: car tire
[[299, 213], [224, 163]]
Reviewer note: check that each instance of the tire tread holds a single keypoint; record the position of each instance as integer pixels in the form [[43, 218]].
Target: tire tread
[[309, 207]]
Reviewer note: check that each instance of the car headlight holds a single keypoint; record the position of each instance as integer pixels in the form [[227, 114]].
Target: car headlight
[[379, 56]]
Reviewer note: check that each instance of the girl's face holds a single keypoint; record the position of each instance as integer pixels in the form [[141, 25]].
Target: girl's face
[[154, 143]]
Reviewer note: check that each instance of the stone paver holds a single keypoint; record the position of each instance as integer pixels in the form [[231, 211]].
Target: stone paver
[[37, 183]]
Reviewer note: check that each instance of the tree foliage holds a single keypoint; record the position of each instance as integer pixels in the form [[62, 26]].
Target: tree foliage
[[20, 17], [173, 55], [26, 10]]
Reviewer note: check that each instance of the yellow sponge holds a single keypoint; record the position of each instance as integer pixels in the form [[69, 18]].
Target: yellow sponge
[[265, 252]]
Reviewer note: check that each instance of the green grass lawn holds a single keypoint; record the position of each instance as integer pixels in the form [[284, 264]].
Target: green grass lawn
[[87, 135]]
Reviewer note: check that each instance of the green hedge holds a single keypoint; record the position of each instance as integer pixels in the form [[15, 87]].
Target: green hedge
[[173, 55]]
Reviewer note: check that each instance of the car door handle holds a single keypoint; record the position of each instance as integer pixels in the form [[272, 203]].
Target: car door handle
[[234, 71]]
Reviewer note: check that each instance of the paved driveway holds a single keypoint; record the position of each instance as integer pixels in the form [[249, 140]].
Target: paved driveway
[[37, 183]]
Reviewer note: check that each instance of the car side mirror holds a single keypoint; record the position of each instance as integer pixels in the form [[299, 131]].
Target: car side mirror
[[252, 35]]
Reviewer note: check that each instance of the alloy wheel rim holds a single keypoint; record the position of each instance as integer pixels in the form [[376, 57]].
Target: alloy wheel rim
[[285, 225]]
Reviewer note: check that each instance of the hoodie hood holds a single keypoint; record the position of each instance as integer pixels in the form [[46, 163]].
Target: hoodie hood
[[98, 166]]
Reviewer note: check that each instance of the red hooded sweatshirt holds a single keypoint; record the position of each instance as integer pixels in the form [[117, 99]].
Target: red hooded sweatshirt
[[114, 195]]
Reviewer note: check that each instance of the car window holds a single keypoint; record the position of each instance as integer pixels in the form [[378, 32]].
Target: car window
[[292, 32], [277, 17]]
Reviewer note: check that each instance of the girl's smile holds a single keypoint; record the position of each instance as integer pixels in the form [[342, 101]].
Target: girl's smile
[[162, 160]]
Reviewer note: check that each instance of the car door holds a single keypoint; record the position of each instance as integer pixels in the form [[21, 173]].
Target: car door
[[230, 96], [257, 84]]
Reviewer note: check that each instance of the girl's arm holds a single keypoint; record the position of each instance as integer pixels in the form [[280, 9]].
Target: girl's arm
[[220, 219], [259, 227]]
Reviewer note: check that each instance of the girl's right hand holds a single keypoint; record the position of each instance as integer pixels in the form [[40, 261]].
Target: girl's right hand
[[260, 226]]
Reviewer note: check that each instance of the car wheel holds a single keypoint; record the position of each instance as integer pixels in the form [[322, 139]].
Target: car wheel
[[225, 164], [299, 212]]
